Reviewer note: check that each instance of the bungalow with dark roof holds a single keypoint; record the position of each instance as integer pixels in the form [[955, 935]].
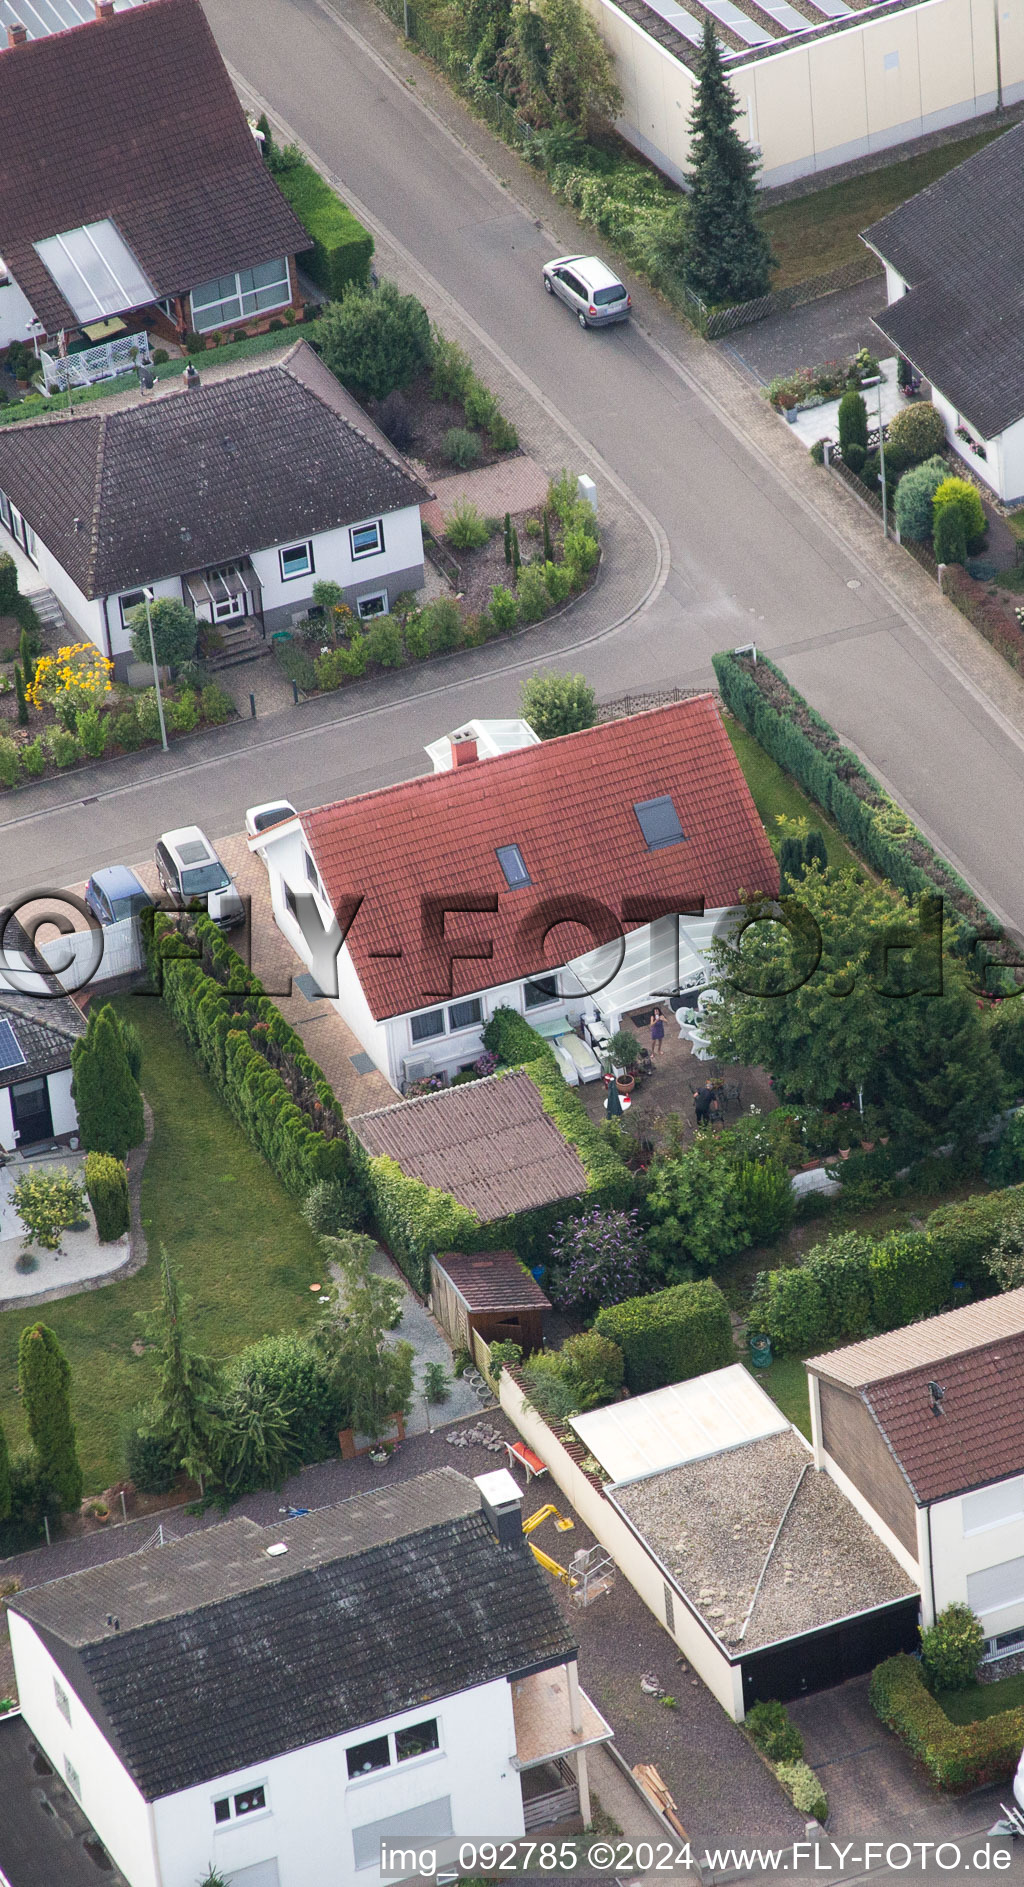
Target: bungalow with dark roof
[[233, 494], [923, 1429], [954, 272], [130, 181], [269, 1703], [573, 881]]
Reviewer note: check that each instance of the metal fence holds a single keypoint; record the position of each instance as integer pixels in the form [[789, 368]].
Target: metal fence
[[94, 363]]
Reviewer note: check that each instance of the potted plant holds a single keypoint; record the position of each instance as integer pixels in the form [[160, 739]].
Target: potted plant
[[622, 1058]]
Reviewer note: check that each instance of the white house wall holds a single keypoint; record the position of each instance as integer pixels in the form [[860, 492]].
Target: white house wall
[[835, 97], [62, 1107], [120, 638], [16, 313], [398, 567], [85, 615], [313, 1807], [955, 1555], [8, 1144], [108, 1796]]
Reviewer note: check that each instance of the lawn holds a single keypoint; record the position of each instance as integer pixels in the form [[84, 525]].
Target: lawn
[[246, 1255], [786, 1382], [982, 1700], [822, 230], [774, 792]]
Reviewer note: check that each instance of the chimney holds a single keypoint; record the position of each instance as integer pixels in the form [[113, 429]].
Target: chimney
[[502, 1505], [190, 378], [16, 33], [463, 750], [104, 9]]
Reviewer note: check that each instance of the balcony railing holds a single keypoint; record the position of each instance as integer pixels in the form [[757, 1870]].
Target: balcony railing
[[556, 1804], [104, 362]]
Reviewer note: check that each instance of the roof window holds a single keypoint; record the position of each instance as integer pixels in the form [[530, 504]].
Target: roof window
[[659, 822], [510, 858]]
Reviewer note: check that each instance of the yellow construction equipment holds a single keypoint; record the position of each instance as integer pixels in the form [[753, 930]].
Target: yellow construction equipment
[[564, 1525], [550, 1512]]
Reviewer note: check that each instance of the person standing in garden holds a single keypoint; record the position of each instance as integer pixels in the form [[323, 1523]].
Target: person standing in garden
[[657, 1031]]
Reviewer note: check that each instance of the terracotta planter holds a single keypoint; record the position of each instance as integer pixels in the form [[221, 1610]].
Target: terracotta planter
[[867, 1146], [625, 1083], [844, 1153]]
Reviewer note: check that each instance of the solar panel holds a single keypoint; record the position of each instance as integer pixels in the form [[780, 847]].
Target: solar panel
[[659, 822], [833, 9], [676, 16], [786, 15], [738, 23], [10, 1048]]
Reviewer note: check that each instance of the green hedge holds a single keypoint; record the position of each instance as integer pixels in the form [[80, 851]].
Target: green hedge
[[417, 1221], [957, 1756], [805, 746], [508, 1035], [670, 1335], [254, 1058], [967, 1230], [850, 1285], [609, 1181], [342, 249]]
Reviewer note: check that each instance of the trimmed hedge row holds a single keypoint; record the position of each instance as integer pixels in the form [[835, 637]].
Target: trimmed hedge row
[[958, 1756], [850, 1285], [250, 1053], [805, 746], [967, 1230], [342, 249], [670, 1335]]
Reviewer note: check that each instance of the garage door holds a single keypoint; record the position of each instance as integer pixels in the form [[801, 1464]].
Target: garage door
[[824, 1658]]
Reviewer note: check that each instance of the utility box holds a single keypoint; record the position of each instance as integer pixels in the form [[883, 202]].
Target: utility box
[[587, 489]]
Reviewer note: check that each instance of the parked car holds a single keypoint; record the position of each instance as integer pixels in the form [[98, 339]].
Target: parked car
[[191, 873], [116, 893], [259, 818], [587, 285]]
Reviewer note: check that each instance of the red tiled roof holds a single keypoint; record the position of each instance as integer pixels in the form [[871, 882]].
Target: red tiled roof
[[492, 1280], [489, 1143], [134, 118], [568, 805], [978, 1437]]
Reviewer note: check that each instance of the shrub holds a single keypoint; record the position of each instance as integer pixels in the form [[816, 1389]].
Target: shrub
[[464, 528], [216, 704], [332, 1206], [287, 1373], [789, 1307], [441, 625], [64, 747], [436, 1385], [597, 1259], [549, 1387], [534, 600], [670, 1335], [148, 1455], [910, 1278], [383, 643], [764, 1193], [949, 538], [148, 713], [460, 447], [770, 1730], [1004, 1164], [10, 766], [451, 370], [917, 430], [501, 1354], [106, 1182], [508, 1035], [8, 574], [952, 1648], [92, 732], [33, 758], [595, 1365], [502, 435], [48, 1203], [395, 422], [853, 424], [342, 248], [184, 713], [957, 1756], [854, 457], [558, 579], [803, 1788], [375, 340], [32, 1497], [125, 729], [175, 632], [961, 494], [914, 494], [503, 608], [557, 704], [480, 406], [966, 1231]]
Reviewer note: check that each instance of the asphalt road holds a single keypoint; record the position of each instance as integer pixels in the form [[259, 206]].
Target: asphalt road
[[748, 555]]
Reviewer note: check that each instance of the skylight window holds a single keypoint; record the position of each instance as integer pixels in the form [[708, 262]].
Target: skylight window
[[510, 858], [95, 270], [659, 822]]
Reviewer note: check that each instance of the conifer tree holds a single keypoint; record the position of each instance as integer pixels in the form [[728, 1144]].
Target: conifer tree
[[106, 1093], [728, 256], [44, 1379], [189, 1384], [5, 1476]]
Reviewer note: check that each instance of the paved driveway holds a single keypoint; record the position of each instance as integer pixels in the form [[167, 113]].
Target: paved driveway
[[829, 329]]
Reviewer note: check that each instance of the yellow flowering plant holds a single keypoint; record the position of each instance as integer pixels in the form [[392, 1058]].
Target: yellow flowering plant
[[72, 679]]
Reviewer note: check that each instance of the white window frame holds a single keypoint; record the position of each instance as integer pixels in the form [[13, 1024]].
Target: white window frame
[[532, 981], [368, 550], [370, 615], [418, 1041], [126, 602], [243, 303], [395, 1761], [231, 1796], [288, 550]]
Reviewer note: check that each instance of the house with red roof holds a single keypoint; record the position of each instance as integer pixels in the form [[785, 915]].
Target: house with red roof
[[580, 879], [130, 181]]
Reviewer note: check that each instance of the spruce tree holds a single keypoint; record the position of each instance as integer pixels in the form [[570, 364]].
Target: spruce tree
[[5, 1477], [791, 865], [728, 256], [106, 1093], [815, 850], [189, 1384], [44, 1380]]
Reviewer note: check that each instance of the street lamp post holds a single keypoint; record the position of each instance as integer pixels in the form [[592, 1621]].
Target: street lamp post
[[877, 384], [148, 596]]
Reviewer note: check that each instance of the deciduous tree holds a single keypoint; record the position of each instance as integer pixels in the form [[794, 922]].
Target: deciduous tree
[[175, 632], [558, 704]]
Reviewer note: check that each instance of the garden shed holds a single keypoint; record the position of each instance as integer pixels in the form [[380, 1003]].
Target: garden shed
[[491, 1293]]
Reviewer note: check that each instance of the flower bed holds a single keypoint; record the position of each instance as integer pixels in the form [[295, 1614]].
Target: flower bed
[[815, 386]]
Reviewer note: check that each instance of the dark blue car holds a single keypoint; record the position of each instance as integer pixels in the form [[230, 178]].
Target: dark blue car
[[116, 893]]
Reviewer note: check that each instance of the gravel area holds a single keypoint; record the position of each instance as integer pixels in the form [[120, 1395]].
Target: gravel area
[[712, 1523]]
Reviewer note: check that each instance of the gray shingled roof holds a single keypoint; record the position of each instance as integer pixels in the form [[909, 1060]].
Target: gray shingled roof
[[45, 1030], [960, 246], [226, 1657], [489, 1143], [167, 483]]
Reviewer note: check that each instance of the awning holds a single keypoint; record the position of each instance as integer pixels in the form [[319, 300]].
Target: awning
[[222, 582]]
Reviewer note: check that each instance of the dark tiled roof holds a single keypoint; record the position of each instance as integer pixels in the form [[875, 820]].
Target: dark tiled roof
[[960, 246], [493, 1280], [270, 450], [225, 1658], [43, 1832], [568, 805], [45, 1030], [489, 1143], [978, 1437], [135, 119]]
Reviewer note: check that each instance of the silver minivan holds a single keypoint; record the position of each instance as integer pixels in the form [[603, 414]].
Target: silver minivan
[[191, 873], [595, 295]]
